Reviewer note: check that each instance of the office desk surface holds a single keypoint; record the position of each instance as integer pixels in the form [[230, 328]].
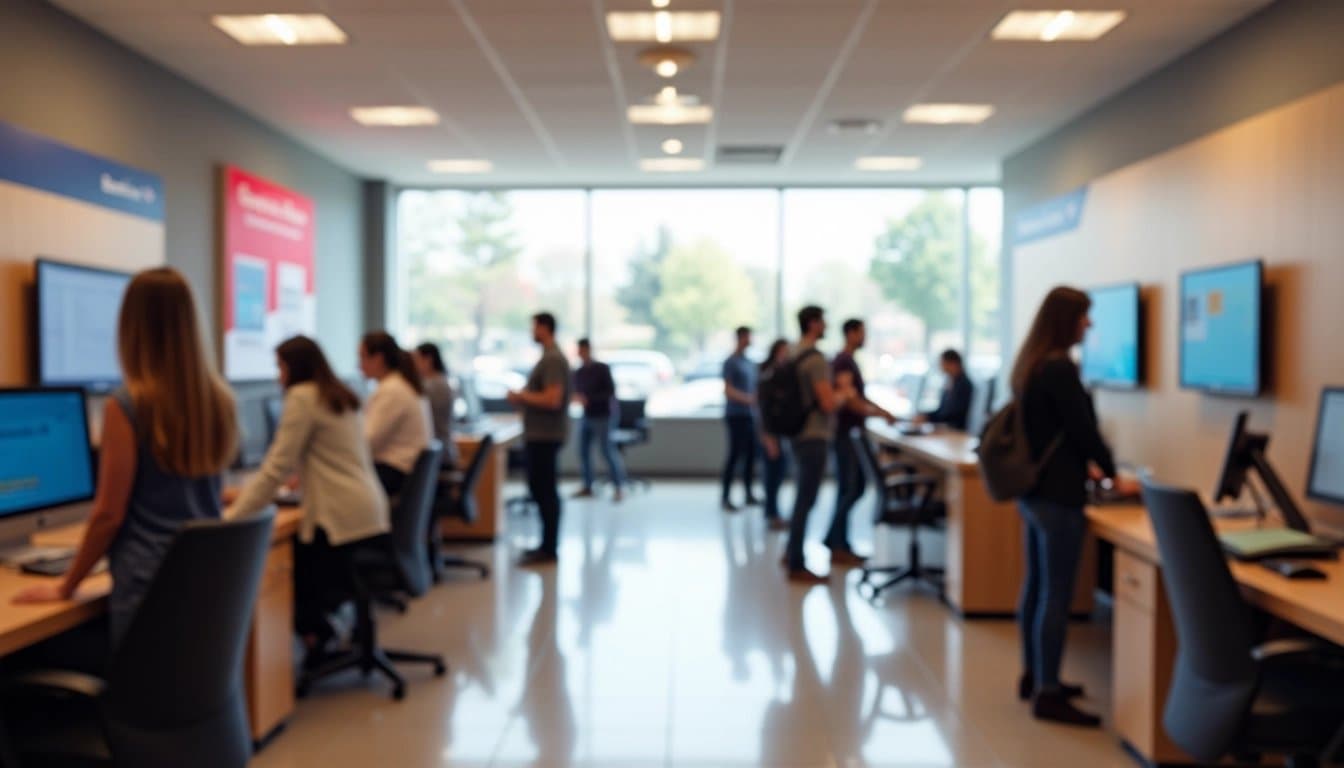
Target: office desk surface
[[949, 449], [25, 625], [505, 428], [1315, 605]]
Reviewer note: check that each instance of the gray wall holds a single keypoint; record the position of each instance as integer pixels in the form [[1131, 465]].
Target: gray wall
[[68, 82], [1288, 50]]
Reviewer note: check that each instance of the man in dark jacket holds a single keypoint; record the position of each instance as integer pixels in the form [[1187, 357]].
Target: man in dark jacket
[[595, 390], [954, 406]]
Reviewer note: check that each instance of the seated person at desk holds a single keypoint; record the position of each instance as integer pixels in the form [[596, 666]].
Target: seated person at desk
[[168, 434], [321, 435], [954, 405], [397, 423], [439, 393]]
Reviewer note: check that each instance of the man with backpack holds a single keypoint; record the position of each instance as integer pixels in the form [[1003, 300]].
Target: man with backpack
[[806, 420]]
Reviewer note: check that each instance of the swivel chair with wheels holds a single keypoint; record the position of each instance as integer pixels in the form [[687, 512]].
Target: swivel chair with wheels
[[1228, 696], [632, 430], [456, 498], [902, 498], [173, 692], [395, 562]]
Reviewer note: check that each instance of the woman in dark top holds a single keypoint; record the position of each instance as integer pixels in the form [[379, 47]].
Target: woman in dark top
[[1047, 384], [776, 449], [168, 433]]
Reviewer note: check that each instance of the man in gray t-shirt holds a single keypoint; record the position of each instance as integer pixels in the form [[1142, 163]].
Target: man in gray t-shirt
[[810, 446], [543, 403]]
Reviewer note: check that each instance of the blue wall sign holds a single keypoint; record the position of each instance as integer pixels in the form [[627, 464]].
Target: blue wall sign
[[1053, 217]]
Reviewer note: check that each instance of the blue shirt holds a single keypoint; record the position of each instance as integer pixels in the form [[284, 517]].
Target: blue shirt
[[740, 374], [160, 504]]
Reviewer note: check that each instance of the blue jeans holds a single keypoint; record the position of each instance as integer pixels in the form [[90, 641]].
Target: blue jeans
[[1054, 542], [811, 457], [776, 470], [742, 451], [850, 487], [600, 427]]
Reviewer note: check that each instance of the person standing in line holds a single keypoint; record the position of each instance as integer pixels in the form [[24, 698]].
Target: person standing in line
[[397, 421], [595, 390], [850, 483], [439, 393], [1057, 411], [543, 403], [821, 401], [739, 416], [776, 448], [954, 406]]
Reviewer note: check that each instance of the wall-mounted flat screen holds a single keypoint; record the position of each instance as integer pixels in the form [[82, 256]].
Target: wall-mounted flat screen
[[77, 309], [1221, 329], [1113, 349]]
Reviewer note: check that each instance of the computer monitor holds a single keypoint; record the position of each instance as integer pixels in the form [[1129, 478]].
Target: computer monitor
[[1325, 479], [1246, 452], [77, 309], [45, 459], [1113, 349], [1221, 329], [274, 406], [467, 407], [254, 432]]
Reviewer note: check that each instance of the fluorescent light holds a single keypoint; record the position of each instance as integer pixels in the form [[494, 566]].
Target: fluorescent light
[[661, 3], [945, 114], [667, 68], [461, 165], [671, 108], [281, 29], [888, 163], [400, 117], [673, 146], [663, 26], [1052, 26], [671, 164]]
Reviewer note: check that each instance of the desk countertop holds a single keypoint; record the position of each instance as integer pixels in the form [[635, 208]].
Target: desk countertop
[[947, 449], [1317, 606]]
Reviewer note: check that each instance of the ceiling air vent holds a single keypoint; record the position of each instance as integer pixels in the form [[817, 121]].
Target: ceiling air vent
[[748, 154]]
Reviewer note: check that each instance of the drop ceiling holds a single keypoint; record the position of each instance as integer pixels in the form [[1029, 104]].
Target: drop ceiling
[[537, 88]]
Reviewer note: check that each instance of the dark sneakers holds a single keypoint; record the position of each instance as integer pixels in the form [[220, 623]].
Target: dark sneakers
[[777, 524], [1055, 707], [847, 558], [534, 558], [807, 578], [729, 506], [1026, 688]]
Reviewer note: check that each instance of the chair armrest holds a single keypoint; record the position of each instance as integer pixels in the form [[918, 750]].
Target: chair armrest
[[58, 681], [905, 481], [1296, 647]]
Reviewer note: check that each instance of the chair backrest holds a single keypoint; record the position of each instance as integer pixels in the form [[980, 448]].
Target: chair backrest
[[1215, 677], [465, 506], [867, 456], [982, 403], [174, 694], [411, 513], [632, 415]]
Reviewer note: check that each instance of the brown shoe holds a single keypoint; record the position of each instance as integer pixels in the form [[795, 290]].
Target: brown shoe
[[807, 578], [847, 558], [777, 524]]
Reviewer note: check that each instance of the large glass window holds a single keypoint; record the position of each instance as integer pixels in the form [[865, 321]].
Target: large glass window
[[660, 278], [475, 266], [674, 273]]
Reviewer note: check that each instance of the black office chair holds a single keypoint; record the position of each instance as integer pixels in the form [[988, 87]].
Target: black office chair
[[982, 404], [1229, 696], [456, 498], [397, 562], [632, 429], [902, 498], [173, 692]]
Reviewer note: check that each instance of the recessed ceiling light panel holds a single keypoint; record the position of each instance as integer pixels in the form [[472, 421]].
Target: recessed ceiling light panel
[[461, 165], [948, 114], [663, 26], [671, 164], [1053, 26], [888, 163], [398, 116], [281, 29], [673, 146]]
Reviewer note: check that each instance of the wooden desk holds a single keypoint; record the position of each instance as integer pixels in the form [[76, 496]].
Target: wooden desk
[[506, 430], [1144, 637], [985, 553], [269, 669]]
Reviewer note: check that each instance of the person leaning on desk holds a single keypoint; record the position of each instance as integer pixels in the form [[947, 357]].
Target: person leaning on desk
[[168, 434], [321, 435]]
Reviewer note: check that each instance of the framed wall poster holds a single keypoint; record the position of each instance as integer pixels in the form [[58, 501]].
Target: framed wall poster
[[267, 272]]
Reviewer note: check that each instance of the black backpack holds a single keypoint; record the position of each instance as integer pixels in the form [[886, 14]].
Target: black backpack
[[1004, 451], [779, 395]]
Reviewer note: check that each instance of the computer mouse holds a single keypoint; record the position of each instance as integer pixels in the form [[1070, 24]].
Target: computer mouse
[[1294, 569]]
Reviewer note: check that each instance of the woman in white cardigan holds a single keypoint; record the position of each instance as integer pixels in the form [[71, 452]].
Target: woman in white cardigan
[[397, 420], [321, 437]]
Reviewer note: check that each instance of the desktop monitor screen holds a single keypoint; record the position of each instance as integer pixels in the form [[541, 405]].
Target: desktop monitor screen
[[45, 459], [77, 309], [254, 430], [1112, 351], [1221, 329], [1326, 479]]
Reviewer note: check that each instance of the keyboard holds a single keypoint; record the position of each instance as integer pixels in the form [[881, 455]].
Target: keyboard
[[48, 565]]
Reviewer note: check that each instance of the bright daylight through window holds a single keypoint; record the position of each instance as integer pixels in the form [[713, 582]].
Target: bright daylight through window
[[659, 279]]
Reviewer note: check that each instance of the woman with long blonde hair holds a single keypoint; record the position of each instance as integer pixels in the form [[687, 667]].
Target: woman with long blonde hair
[[168, 434]]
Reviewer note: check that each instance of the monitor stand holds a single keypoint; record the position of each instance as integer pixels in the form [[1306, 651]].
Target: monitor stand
[[1288, 509]]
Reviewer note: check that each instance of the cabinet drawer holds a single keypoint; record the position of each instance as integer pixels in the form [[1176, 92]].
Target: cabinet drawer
[[1136, 581]]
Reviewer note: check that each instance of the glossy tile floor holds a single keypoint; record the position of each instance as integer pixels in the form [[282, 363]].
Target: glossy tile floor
[[667, 636]]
